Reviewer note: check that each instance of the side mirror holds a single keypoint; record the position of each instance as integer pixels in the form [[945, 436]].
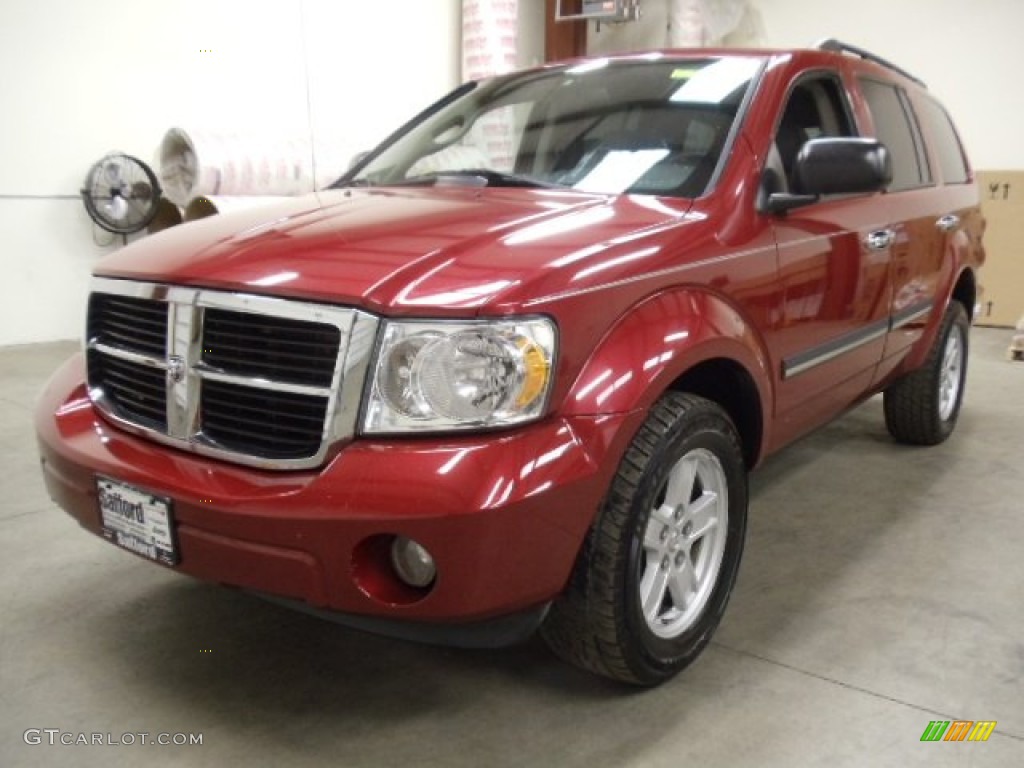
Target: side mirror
[[842, 166], [835, 166]]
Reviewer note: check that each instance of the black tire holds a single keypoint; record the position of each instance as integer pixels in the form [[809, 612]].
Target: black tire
[[599, 622], [922, 407]]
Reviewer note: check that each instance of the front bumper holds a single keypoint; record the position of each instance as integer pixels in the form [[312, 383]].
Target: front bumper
[[504, 514]]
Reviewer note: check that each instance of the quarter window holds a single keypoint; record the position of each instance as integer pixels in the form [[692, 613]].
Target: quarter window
[[948, 149]]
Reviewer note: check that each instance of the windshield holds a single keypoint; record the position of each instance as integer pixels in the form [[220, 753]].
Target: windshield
[[653, 126]]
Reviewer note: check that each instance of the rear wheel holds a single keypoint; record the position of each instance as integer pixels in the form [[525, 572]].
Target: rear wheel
[[922, 407], [659, 563]]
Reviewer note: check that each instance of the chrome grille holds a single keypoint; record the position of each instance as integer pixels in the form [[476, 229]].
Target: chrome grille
[[252, 379]]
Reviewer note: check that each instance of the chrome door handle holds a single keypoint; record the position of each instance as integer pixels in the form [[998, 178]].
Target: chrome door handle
[[879, 240], [948, 223]]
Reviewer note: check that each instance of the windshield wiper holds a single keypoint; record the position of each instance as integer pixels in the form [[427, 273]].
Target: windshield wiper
[[488, 177]]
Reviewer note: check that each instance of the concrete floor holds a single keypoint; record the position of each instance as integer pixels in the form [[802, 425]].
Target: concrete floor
[[883, 587]]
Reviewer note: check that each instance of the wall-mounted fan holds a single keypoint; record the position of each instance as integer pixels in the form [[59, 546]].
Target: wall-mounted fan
[[121, 194]]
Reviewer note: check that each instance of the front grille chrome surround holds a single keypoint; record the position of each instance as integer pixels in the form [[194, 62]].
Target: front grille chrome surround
[[317, 411]]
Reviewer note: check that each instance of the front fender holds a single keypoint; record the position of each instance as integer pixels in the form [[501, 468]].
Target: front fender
[[658, 341]]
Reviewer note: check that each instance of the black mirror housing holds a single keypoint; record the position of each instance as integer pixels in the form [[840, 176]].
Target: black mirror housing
[[842, 166]]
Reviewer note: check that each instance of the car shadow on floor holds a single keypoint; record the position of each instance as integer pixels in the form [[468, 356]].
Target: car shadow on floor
[[232, 656], [822, 510]]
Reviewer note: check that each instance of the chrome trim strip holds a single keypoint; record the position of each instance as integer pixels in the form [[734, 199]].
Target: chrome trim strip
[[137, 290], [109, 410], [186, 308], [209, 373], [830, 350], [362, 342], [127, 355], [911, 314], [183, 334]]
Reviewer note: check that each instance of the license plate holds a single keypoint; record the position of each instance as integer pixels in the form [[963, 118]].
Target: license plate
[[137, 520]]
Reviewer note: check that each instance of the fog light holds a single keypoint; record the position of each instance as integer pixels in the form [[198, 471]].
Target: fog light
[[411, 561]]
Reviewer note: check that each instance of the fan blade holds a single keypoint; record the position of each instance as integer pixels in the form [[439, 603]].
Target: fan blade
[[117, 208]]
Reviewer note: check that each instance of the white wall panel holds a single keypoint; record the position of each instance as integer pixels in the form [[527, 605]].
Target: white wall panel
[[82, 78], [531, 33], [372, 66], [47, 255], [969, 53]]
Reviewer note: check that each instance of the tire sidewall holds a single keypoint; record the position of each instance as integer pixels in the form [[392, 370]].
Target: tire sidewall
[[699, 428], [956, 320]]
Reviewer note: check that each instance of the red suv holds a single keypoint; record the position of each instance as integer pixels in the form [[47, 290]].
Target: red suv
[[511, 371]]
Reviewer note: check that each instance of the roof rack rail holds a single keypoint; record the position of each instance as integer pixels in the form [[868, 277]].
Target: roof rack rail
[[838, 46]]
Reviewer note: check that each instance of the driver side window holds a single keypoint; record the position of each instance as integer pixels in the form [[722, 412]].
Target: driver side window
[[816, 108]]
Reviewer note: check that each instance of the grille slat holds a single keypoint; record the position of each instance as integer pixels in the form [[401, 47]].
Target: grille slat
[[245, 326], [245, 322], [136, 391], [125, 330], [226, 433], [137, 325], [236, 420], [137, 380], [137, 386], [275, 348], [292, 374], [137, 310], [220, 401], [264, 422], [293, 349]]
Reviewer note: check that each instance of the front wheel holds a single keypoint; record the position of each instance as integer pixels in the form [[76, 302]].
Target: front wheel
[[922, 407], [659, 563]]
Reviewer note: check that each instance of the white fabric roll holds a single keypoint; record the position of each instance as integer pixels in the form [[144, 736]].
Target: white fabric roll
[[696, 23], [196, 163]]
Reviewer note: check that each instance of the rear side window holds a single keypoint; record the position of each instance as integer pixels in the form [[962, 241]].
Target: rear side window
[[947, 147], [896, 128]]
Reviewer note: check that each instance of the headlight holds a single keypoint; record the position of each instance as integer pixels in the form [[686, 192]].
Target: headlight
[[445, 376]]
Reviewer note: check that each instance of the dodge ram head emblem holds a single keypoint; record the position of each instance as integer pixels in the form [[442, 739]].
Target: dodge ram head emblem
[[175, 369]]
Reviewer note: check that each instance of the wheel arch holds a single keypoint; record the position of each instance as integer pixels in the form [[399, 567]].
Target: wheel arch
[[961, 287], [725, 382], [965, 290], [684, 340]]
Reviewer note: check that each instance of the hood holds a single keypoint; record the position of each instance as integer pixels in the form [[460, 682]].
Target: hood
[[408, 250]]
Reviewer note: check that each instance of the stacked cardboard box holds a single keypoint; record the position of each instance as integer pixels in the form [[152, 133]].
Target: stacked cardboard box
[[1002, 277]]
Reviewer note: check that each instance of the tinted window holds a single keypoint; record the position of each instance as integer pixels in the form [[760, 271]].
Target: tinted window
[[639, 127], [896, 129], [815, 109], [947, 146]]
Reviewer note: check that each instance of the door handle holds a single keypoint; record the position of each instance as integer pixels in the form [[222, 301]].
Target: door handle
[[879, 240], [948, 223]]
